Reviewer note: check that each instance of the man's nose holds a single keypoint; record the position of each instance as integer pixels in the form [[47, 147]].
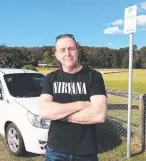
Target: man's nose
[[67, 52]]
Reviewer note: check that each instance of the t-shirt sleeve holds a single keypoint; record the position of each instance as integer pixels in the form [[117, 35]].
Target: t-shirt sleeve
[[97, 85], [47, 85]]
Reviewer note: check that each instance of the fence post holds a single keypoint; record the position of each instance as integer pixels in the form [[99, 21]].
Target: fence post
[[142, 124]]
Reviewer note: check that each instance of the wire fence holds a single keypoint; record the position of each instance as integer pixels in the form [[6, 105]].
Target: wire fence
[[113, 133]]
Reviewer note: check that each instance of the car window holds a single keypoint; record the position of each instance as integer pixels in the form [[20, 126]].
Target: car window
[[25, 84]]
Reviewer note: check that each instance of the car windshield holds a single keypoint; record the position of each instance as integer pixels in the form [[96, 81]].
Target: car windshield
[[24, 84]]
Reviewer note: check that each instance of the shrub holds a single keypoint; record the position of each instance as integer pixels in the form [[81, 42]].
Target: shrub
[[29, 67]]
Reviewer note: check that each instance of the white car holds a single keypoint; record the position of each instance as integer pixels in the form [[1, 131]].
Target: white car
[[19, 111]]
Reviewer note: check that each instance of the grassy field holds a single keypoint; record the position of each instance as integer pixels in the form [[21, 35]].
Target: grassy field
[[119, 80], [115, 81], [112, 99]]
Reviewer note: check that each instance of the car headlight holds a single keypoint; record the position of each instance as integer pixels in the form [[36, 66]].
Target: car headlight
[[37, 122]]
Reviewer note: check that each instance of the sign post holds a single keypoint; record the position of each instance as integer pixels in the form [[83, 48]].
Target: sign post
[[130, 28]]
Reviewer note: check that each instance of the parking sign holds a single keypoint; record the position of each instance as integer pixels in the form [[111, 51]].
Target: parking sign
[[130, 19]]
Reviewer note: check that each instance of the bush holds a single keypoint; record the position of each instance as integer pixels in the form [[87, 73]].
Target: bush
[[29, 67]]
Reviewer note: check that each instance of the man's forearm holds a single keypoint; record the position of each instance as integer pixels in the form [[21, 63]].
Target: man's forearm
[[87, 116], [95, 114], [56, 111]]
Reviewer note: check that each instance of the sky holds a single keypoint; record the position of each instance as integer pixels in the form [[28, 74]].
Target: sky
[[98, 23]]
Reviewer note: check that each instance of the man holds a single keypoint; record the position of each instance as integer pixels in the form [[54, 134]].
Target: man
[[75, 94]]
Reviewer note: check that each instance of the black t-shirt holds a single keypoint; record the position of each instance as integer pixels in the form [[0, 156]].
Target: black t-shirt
[[72, 138]]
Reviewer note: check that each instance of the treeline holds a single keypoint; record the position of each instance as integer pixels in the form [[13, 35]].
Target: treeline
[[99, 57]]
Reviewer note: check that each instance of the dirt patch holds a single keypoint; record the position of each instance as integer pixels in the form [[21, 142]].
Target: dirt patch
[[110, 72]]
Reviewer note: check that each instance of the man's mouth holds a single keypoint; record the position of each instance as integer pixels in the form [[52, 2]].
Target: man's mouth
[[68, 59]]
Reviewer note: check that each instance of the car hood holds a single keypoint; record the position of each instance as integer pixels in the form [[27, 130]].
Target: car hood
[[31, 104]]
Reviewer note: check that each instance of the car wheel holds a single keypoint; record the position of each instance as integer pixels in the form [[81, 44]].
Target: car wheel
[[15, 140]]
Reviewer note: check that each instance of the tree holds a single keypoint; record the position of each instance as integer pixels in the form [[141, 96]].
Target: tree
[[46, 59], [143, 56], [99, 57]]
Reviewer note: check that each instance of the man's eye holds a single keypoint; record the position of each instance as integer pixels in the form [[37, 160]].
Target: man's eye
[[72, 48], [62, 50]]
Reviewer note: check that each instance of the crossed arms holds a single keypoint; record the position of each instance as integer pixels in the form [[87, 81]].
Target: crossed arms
[[81, 112]]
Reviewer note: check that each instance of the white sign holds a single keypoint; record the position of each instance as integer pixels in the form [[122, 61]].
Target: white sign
[[130, 19]]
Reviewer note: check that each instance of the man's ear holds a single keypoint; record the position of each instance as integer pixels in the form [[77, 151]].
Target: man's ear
[[78, 45]]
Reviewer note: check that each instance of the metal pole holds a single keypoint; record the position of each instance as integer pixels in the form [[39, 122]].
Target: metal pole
[[129, 96]]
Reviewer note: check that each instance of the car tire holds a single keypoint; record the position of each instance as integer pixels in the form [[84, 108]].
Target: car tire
[[14, 140]]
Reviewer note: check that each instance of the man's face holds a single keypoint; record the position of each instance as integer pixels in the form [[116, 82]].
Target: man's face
[[67, 52]]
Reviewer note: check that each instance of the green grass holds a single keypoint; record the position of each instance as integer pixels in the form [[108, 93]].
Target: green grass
[[119, 121], [113, 99], [118, 81], [119, 154], [5, 155]]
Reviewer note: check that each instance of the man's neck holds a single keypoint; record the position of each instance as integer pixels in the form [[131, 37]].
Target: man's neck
[[73, 69]]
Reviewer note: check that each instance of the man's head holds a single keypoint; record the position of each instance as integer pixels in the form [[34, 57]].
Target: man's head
[[67, 50]]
